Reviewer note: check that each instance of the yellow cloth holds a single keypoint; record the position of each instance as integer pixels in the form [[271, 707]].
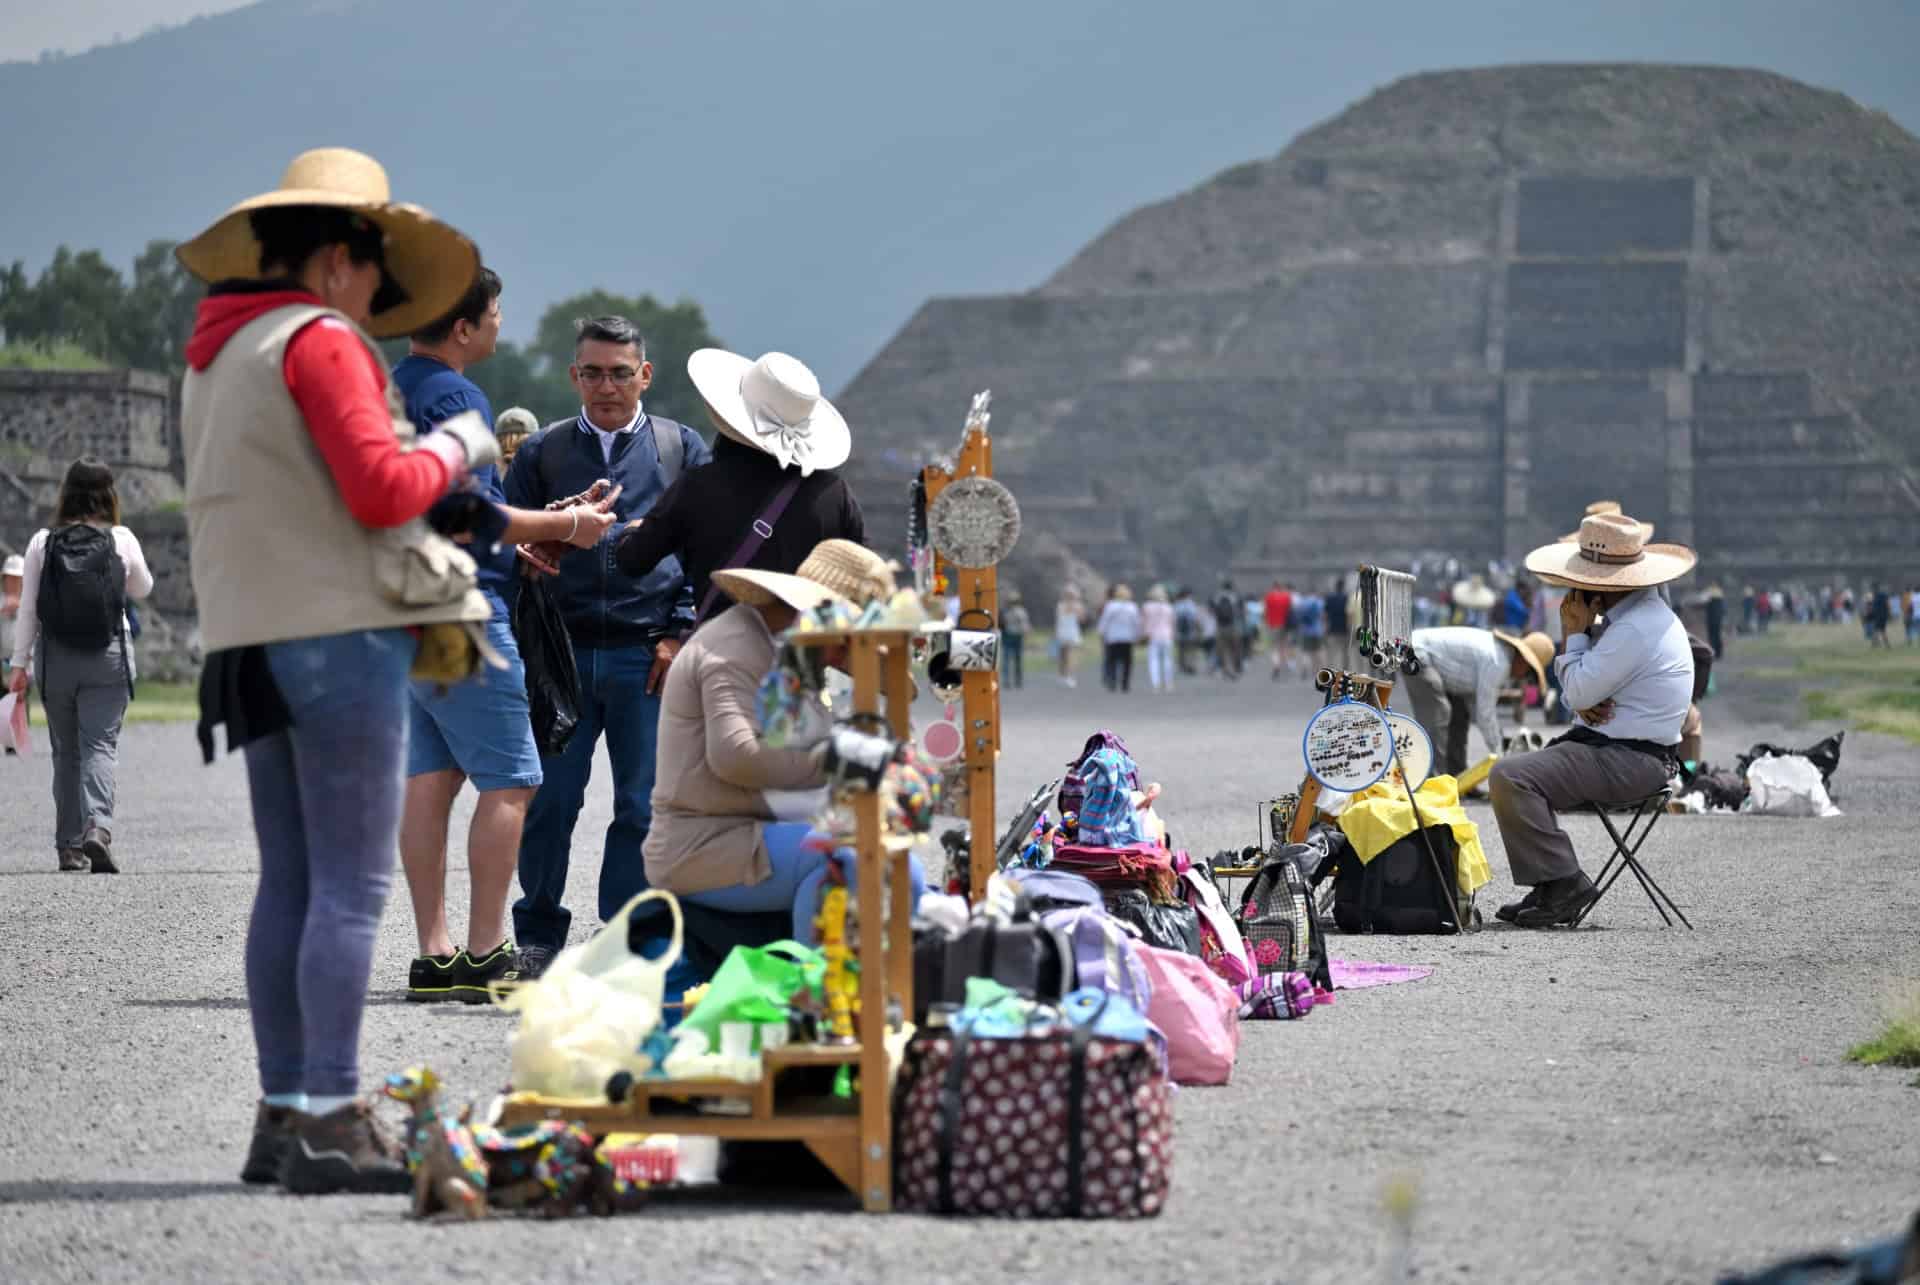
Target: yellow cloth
[[1379, 817]]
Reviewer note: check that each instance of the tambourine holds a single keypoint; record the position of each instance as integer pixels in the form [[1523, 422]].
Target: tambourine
[[1348, 746], [1412, 748]]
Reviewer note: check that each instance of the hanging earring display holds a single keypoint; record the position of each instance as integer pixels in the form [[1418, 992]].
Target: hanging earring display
[[1348, 746]]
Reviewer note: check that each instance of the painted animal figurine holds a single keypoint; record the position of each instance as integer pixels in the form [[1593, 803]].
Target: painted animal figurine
[[448, 1171]]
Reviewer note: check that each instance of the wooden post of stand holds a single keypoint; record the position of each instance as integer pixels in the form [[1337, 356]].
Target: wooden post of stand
[[876, 1165], [978, 590]]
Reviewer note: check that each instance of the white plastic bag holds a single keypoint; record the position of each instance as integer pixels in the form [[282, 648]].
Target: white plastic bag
[[1786, 785], [13, 725], [586, 1017]]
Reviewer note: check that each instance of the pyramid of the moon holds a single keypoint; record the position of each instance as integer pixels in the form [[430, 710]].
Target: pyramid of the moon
[[1445, 320]]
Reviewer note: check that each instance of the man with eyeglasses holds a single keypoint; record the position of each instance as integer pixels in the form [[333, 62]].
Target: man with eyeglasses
[[625, 628]]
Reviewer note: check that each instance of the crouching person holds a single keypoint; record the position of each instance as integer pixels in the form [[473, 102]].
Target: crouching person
[[1628, 672], [714, 841]]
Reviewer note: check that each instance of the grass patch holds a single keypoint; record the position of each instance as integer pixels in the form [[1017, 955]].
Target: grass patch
[[1898, 1043], [59, 355], [152, 703], [1840, 678]]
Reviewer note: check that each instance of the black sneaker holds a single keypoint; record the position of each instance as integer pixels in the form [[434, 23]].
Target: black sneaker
[[272, 1131], [344, 1150], [475, 980], [534, 961], [430, 978]]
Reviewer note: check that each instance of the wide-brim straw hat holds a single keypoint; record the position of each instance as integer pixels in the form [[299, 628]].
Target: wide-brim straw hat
[[1611, 552], [773, 404], [1535, 648], [433, 263], [836, 571], [1475, 594], [1596, 509]]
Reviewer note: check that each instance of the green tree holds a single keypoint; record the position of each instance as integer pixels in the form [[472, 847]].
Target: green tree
[[82, 301], [159, 311]]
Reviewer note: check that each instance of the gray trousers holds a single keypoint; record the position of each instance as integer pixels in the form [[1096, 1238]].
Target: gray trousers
[[85, 697], [1528, 789], [1446, 717]]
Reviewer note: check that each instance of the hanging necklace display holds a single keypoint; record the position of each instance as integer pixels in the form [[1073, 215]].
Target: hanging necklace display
[[1413, 747], [1348, 746]]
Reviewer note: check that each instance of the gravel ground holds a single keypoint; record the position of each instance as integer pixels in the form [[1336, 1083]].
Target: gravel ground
[[1626, 1103]]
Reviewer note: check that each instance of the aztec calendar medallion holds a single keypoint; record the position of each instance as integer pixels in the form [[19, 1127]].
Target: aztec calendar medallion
[[974, 522]]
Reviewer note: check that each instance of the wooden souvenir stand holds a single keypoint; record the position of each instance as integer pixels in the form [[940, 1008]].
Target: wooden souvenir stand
[[978, 589], [1336, 685], [853, 1138]]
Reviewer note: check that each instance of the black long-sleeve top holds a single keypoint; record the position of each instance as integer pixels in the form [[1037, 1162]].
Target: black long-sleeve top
[[705, 515]]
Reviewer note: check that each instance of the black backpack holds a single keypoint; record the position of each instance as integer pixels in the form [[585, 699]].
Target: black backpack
[[1398, 892], [83, 588], [1278, 917]]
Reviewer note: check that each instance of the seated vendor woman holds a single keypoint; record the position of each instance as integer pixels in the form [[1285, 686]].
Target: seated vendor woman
[[714, 840]]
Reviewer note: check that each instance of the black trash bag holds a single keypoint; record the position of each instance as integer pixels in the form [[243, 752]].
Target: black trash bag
[[553, 683], [1823, 754], [1174, 927]]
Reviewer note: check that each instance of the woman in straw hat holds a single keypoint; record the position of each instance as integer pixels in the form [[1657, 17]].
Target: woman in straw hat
[[314, 576], [772, 490], [1628, 671], [714, 840]]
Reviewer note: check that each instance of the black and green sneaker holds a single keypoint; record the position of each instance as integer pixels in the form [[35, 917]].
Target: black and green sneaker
[[474, 980], [431, 978]]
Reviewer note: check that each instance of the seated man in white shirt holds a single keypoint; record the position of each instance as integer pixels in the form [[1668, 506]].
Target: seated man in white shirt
[[1627, 669]]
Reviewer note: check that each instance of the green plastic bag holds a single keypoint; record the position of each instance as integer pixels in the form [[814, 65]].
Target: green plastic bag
[[755, 984]]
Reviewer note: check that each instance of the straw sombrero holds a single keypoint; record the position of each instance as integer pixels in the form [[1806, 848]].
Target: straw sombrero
[[429, 261], [1475, 594], [1536, 649], [772, 404], [1611, 552], [836, 571], [1597, 508]]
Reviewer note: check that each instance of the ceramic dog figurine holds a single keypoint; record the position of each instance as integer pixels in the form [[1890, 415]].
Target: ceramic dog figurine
[[448, 1171]]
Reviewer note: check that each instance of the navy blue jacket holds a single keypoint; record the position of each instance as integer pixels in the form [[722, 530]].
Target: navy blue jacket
[[603, 606]]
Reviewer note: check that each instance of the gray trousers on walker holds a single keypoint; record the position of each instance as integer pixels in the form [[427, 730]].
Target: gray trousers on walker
[[1446, 717], [1528, 789], [85, 697]]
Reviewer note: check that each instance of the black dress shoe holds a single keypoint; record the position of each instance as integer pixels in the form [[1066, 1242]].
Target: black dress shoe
[[1561, 902], [1507, 913]]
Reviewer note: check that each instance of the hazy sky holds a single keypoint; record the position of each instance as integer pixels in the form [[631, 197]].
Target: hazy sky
[[29, 26]]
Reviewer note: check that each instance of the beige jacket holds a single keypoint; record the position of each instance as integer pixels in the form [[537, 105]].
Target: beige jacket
[[275, 553], [711, 764]]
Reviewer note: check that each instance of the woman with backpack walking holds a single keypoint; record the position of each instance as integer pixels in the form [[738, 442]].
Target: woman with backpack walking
[[70, 637]]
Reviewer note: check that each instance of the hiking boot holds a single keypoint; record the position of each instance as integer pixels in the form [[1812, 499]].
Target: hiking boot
[[430, 978], [97, 844], [73, 859], [474, 980], [1562, 901], [1507, 913], [534, 961], [272, 1132], [344, 1150]]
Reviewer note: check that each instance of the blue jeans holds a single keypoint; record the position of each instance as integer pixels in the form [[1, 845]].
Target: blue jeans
[[326, 810], [614, 701], [798, 873]]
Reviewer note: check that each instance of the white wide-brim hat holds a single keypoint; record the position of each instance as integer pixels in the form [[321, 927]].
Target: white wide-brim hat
[[15, 565], [431, 262], [772, 404], [1611, 553]]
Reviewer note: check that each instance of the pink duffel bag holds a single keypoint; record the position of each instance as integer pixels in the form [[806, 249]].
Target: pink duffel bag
[[1198, 1013]]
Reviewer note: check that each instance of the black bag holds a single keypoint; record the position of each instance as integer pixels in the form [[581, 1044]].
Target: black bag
[[553, 682], [1022, 955], [1279, 920], [1702, 665], [83, 588], [1398, 892], [1175, 927]]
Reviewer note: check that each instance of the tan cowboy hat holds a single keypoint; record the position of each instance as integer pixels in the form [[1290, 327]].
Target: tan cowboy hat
[[429, 261], [1611, 553], [836, 571], [1597, 508], [1536, 649], [772, 404]]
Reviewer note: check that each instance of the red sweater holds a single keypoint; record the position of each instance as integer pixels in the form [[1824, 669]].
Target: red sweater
[[342, 393]]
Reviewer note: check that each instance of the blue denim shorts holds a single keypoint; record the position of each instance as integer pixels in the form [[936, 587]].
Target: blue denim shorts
[[480, 727]]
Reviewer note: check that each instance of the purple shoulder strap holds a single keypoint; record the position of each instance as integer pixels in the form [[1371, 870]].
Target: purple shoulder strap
[[757, 534]]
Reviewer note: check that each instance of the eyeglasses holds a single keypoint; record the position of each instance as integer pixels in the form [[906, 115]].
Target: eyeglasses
[[619, 376]]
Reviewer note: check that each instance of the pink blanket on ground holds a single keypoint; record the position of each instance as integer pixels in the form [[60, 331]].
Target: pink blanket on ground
[[1357, 974]]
